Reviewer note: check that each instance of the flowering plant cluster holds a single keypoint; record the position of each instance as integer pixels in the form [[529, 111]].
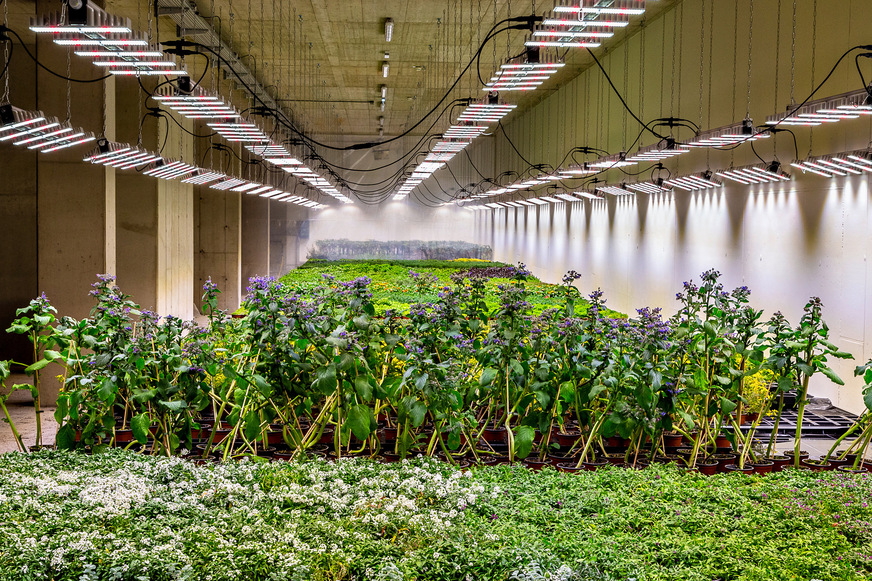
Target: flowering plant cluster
[[308, 370]]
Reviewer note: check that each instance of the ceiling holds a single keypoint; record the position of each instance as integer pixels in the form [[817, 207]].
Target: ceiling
[[321, 60]]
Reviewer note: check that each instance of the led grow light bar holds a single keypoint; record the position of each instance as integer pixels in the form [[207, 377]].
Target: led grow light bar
[[647, 188], [615, 191], [611, 161], [96, 21], [754, 174], [204, 177], [121, 156], [838, 165], [170, 170], [588, 195], [226, 184], [597, 7], [657, 152], [33, 130], [850, 105], [724, 137], [577, 170], [693, 183]]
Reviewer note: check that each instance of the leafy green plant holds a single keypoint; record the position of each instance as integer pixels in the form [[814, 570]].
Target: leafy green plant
[[35, 321]]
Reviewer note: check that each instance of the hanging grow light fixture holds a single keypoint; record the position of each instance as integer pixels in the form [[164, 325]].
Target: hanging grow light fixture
[[838, 165], [755, 174], [692, 183]]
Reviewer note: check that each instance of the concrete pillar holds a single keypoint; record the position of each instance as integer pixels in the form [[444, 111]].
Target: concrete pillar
[[155, 217], [136, 202], [217, 244]]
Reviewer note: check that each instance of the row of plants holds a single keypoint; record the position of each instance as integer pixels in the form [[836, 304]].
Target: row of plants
[[127, 517], [330, 249], [452, 377]]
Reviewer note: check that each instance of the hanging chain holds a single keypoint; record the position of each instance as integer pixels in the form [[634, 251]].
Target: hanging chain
[[5, 98], [662, 63], [735, 67], [777, 60], [750, 38], [792, 59], [680, 58], [494, 63], [708, 123], [70, 84], [641, 70], [813, 54], [674, 59], [148, 21]]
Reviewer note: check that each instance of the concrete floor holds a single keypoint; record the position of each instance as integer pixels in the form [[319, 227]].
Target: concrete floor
[[20, 406]]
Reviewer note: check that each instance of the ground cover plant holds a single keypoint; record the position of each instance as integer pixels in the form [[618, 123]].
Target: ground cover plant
[[122, 516]]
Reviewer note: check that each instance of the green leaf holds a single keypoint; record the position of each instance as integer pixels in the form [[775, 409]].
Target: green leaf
[[543, 398], [831, 375], [107, 390], [516, 367], [524, 441], [363, 388], [262, 386], [417, 413], [421, 381], [51, 355], [174, 406], [36, 366], [325, 380], [140, 425], [358, 421], [727, 406], [66, 438], [252, 425], [488, 374], [62, 409], [867, 399]]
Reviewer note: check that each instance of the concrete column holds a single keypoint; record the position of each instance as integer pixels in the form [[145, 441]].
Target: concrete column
[[175, 248], [217, 244], [155, 217]]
